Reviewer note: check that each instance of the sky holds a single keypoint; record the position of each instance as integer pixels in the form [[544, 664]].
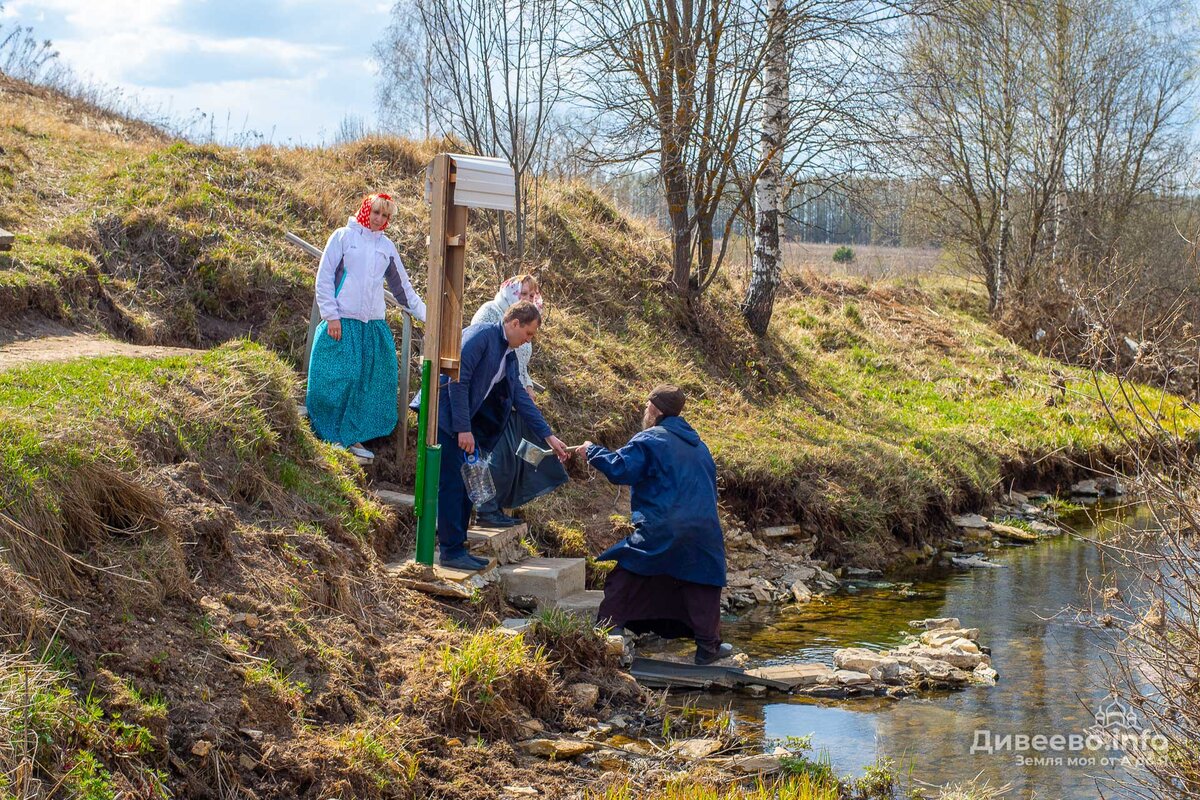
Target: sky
[[288, 69]]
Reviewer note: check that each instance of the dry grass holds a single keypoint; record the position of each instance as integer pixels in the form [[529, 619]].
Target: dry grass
[[870, 261]]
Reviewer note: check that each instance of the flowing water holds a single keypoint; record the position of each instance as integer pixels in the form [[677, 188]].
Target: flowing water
[[1050, 665]]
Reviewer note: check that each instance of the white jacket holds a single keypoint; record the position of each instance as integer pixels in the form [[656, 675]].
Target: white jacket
[[359, 260]]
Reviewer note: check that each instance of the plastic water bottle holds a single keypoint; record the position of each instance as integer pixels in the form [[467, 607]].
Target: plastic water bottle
[[477, 476]]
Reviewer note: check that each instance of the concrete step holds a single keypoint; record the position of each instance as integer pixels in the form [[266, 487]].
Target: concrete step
[[395, 499], [584, 604], [502, 544], [543, 582]]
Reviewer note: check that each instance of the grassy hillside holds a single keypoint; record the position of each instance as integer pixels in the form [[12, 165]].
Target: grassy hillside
[[194, 598], [869, 412], [193, 586]]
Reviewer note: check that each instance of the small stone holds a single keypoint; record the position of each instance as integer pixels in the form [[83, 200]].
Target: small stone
[[532, 727], [1011, 533], [974, 562], [969, 521], [760, 764], [246, 762], [516, 624], [556, 749], [201, 748], [936, 623], [801, 593], [695, 749], [755, 690], [851, 678], [528, 791], [1085, 489], [585, 695]]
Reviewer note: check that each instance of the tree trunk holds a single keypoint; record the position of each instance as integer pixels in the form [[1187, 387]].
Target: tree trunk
[[759, 302], [675, 184]]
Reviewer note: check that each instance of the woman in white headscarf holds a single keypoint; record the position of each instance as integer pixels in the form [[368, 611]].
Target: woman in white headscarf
[[518, 287], [517, 482]]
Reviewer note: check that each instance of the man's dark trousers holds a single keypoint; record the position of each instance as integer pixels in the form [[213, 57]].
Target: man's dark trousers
[[454, 506]]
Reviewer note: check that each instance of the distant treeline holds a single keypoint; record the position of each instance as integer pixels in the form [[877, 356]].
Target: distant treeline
[[867, 211]]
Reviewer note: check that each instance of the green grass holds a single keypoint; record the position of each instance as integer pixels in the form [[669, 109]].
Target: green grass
[[479, 665], [57, 734], [268, 675]]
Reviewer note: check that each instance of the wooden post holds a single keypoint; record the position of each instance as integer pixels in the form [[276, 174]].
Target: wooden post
[[446, 279]]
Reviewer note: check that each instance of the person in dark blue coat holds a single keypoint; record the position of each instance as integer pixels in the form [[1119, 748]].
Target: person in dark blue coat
[[670, 570], [473, 412]]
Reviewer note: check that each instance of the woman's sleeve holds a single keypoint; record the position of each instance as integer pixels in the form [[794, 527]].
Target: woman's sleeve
[[524, 353], [402, 288], [330, 259]]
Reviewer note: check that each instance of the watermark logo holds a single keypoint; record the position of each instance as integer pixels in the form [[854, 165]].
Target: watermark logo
[[1117, 737], [1115, 718]]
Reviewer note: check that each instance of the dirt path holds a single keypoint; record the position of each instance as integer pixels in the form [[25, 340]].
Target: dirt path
[[32, 342]]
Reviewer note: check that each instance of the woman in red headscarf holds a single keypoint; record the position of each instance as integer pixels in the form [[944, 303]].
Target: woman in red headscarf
[[352, 372]]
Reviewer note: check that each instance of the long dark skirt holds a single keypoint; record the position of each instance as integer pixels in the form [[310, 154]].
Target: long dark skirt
[[517, 481], [672, 608]]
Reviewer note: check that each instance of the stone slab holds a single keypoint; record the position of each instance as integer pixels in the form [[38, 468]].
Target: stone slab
[[395, 499], [584, 604], [794, 674], [546, 580]]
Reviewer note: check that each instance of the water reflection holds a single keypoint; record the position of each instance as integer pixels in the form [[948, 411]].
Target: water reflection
[[1050, 670]]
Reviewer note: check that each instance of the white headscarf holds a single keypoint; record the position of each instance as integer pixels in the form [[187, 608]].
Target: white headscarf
[[510, 293]]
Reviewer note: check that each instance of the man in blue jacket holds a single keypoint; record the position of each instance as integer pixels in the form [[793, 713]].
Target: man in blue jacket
[[670, 570], [472, 412]]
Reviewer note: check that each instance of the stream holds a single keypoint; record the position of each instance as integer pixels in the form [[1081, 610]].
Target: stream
[[1051, 672]]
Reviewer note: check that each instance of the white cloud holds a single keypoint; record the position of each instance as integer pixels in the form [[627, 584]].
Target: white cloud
[[295, 66]]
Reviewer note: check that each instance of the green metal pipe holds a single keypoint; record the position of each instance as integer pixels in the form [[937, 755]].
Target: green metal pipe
[[427, 524], [422, 427], [429, 461]]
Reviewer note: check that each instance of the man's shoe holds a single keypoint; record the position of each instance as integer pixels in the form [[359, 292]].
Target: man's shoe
[[466, 562], [495, 519], [361, 452], [708, 657]]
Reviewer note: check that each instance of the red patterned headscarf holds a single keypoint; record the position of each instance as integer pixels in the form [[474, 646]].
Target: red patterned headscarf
[[364, 212]]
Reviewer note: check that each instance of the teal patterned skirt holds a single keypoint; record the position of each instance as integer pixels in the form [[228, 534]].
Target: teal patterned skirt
[[352, 383]]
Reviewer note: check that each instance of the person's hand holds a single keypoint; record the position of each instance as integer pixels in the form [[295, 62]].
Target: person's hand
[[466, 442], [529, 391], [560, 449], [334, 329], [582, 449]]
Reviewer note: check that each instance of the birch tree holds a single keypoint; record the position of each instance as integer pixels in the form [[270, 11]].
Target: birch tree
[[765, 270]]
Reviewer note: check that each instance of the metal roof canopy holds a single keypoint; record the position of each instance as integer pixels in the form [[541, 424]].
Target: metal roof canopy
[[480, 182]]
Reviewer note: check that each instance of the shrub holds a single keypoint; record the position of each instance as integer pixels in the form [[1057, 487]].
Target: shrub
[[843, 255]]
